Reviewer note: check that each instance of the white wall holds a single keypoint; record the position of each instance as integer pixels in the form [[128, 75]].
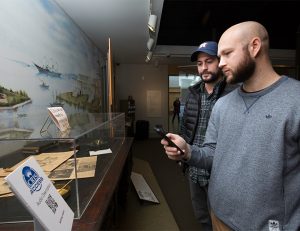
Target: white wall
[[136, 80]]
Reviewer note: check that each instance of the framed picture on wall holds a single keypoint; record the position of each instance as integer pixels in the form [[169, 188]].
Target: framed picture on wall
[[154, 103]]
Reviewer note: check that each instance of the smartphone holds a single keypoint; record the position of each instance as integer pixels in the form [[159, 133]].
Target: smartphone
[[159, 129]]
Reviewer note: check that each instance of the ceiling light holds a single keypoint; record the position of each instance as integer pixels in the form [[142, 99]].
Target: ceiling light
[[152, 22], [150, 43], [149, 56]]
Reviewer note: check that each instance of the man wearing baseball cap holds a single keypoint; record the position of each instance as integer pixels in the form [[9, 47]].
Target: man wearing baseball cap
[[199, 102]]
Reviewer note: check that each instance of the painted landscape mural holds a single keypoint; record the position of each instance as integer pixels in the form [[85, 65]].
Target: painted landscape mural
[[45, 60]]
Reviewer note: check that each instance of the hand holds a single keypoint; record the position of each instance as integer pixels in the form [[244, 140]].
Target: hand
[[172, 152]]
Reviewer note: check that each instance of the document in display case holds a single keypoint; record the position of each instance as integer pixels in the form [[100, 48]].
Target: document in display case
[[66, 160]]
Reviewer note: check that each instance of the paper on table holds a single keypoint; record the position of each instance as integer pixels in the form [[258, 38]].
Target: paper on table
[[4, 188], [48, 161], [100, 152], [86, 167]]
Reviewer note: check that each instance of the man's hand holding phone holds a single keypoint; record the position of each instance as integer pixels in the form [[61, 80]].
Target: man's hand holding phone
[[175, 146]]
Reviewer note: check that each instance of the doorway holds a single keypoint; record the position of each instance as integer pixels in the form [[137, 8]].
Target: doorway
[[178, 88]]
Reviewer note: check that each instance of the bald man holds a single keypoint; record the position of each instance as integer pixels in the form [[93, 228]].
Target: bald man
[[252, 143]]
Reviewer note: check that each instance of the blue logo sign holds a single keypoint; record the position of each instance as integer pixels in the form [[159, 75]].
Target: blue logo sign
[[32, 179]]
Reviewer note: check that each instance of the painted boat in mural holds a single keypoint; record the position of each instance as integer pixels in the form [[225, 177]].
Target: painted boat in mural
[[44, 85], [56, 104], [46, 70], [22, 115]]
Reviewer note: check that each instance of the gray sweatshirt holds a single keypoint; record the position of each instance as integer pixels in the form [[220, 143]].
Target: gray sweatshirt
[[252, 148]]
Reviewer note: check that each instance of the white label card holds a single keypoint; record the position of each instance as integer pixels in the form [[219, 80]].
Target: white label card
[[59, 117]]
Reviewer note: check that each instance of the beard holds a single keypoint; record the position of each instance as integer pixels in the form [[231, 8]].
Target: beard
[[213, 77], [244, 70]]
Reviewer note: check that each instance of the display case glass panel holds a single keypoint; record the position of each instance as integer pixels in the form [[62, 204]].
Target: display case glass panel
[[72, 160]]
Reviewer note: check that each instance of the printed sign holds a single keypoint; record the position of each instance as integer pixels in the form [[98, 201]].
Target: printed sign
[[59, 117], [37, 193], [142, 188]]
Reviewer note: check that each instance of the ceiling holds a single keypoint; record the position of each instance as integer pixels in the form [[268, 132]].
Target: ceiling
[[182, 24], [207, 20], [123, 21]]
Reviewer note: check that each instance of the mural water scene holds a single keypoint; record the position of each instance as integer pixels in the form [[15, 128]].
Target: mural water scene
[[45, 61]]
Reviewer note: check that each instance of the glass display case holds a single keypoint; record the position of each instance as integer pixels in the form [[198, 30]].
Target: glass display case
[[72, 160]]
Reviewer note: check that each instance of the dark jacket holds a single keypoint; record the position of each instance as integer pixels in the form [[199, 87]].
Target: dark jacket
[[192, 108]]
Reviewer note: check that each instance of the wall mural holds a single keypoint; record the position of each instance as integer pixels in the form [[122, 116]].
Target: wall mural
[[45, 60]]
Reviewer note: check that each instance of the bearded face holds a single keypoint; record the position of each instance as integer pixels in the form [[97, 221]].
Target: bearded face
[[208, 68], [210, 77], [244, 70]]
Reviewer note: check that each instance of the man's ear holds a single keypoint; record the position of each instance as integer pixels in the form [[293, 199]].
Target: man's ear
[[255, 46]]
